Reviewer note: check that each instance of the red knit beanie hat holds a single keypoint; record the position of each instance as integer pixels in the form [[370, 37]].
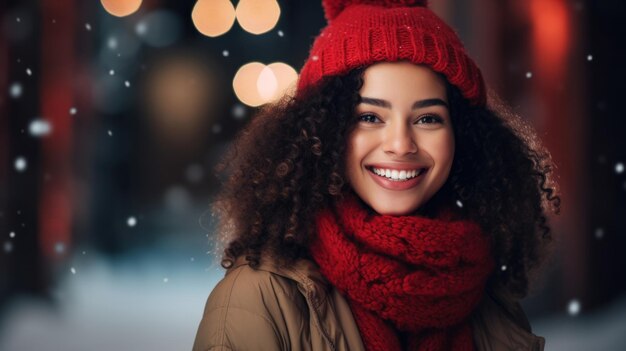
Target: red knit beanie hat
[[362, 32]]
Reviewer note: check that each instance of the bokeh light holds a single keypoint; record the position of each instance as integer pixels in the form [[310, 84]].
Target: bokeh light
[[256, 84], [121, 8], [267, 83], [20, 164], [15, 90], [213, 17], [245, 84], [180, 93], [39, 127], [286, 76], [258, 16], [159, 28]]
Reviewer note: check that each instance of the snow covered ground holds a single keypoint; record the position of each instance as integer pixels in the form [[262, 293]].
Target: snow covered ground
[[154, 302]]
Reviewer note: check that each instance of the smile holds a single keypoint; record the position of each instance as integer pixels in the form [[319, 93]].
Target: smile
[[394, 179], [398, 175]]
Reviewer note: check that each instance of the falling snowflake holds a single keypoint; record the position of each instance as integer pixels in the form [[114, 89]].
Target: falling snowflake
[[503, 268], [141, 28], [619, 168], [225, 53], [529, 75], [15, 90], [29, 72], [192, 259], [281, 34], [315, 58], [111, 72], [87, 26], [20, 164], [165, 280], [131, 221], [59, 247], [459, 203], [238, 111], [127, 84], [599, 233], [589, 57], [18, 19], [73, 270], [84, 252], [573, 308], [12, 235], [110, 132], [73, 111], [39, 127], [8, 246], [112, 43]]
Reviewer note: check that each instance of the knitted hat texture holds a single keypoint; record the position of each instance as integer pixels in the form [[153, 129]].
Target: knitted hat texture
[[362, 32]]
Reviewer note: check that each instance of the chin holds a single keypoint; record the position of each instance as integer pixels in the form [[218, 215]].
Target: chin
[[394, 209]]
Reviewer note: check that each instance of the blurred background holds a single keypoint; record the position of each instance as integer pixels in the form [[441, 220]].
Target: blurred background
[[113, 114]]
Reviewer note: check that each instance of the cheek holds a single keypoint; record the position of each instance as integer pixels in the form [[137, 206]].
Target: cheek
[[356, 149], [441, 149]]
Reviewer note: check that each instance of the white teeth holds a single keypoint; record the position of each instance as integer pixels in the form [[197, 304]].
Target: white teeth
[[396, 175]]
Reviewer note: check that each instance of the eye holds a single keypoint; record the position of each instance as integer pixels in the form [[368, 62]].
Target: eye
[[368, 118], [429, 119]]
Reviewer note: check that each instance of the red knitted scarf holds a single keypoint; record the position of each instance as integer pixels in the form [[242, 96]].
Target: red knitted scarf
[[411, 282]]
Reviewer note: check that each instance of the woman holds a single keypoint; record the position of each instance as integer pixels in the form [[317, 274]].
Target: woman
[[384, 207]]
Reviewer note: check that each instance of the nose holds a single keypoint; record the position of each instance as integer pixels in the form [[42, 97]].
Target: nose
[[399, 140]]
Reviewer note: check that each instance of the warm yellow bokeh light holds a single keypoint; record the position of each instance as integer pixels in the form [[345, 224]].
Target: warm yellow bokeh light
[[213, 17], [245, 84], [258, 16], [179, 95], [286, 76], [121, 8], [267, 84], [256, 84]]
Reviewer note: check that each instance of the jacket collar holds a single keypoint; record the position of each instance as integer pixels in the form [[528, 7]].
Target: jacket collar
[[304, 272]]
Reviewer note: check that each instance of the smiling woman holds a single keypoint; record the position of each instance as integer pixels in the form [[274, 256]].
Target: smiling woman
[[400, 152], [369, 211]]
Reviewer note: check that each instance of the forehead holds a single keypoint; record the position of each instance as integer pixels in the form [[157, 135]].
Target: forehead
[[402, 80]]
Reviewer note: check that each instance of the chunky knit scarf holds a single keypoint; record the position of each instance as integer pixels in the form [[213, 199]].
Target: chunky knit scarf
[[411, 282]]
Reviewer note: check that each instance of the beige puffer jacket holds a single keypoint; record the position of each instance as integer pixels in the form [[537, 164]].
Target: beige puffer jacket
[[294, 308]]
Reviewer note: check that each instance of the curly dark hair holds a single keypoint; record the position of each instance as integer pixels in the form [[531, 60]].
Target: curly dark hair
[[288, 163]]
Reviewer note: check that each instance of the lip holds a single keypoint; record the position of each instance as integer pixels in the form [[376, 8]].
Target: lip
[[395, 185]]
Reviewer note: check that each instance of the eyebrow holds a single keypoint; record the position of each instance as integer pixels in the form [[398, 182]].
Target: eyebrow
[[416, 104]]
